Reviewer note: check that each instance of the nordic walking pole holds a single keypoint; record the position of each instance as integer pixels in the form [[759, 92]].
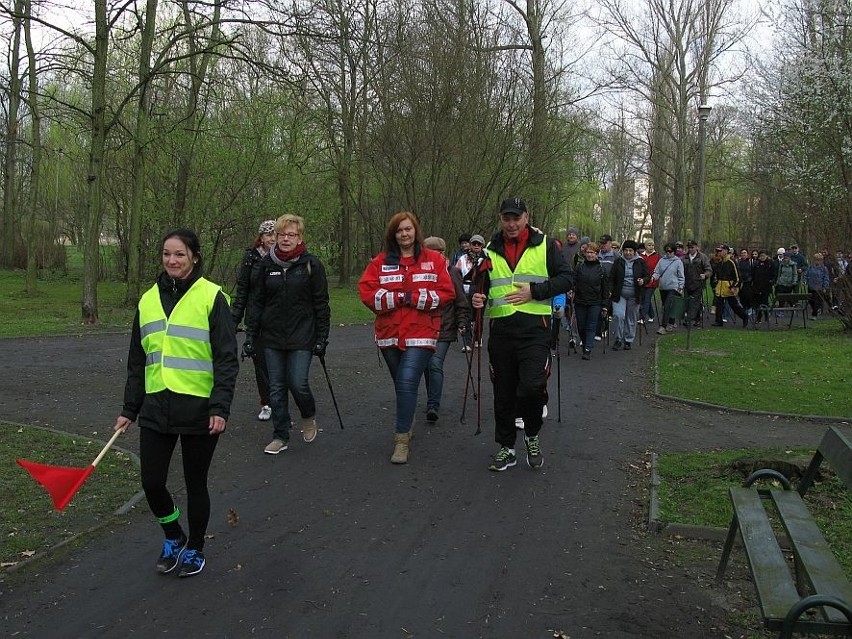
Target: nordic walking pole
[[558, 373], [331, 390], [478, 334], [468, 383]]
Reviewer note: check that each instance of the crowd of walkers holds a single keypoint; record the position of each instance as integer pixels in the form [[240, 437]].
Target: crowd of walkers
[[183, 355]]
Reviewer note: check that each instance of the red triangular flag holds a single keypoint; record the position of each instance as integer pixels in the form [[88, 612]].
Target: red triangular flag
[[60, 481]]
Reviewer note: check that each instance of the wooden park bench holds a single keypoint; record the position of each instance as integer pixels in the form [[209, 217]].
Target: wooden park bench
[[815, 596], [791, 303]]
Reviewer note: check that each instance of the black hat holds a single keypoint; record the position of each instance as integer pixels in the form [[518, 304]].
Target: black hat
[[513, 205], [629, 244], [605, 238], [692, 243]]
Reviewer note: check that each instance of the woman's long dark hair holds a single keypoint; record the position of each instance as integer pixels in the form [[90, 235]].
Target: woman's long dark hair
[[188, 237]]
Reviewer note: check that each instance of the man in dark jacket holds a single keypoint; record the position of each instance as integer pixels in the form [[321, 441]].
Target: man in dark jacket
[[525, 271], [696, 271]]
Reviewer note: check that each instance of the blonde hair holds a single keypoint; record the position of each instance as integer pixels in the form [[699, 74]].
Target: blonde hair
[[286, 220]]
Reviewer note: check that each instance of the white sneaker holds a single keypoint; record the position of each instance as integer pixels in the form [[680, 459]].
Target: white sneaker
[[466, 349], [265, 414], [519, 423]]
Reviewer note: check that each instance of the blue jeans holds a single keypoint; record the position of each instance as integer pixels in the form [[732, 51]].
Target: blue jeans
[[288, 374], [587, 323], [646, 310], [406, 368], [435, 376]]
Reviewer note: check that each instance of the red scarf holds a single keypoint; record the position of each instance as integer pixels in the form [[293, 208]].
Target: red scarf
[[290, 255], [515, 247]]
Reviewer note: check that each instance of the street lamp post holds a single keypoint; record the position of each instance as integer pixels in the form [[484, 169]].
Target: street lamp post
[[703, 114]]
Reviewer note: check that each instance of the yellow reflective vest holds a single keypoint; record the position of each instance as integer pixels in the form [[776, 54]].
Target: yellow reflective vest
[[178, 355], [531, 268]]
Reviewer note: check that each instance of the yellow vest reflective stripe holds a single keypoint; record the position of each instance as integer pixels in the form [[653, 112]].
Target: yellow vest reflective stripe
[[531, 268], [178, 355]]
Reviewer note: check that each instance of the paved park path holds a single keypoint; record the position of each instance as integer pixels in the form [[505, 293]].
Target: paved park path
[[335, 542]]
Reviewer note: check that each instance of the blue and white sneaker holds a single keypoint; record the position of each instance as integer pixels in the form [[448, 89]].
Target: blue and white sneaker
[[170, 557], [192, 563]]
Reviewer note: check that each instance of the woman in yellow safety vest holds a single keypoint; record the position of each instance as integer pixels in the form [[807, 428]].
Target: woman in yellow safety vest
[[181, 370]]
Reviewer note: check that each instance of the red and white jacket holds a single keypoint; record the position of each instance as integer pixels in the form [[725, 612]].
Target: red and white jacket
[[406, 295]]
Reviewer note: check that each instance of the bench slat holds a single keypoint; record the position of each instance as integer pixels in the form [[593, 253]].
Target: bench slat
[[775, 587], [821, 569]]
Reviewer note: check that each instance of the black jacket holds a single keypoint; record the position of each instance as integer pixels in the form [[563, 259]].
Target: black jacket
[[763, 276], [692, 269], [640, 271], [591, 283], [246, 283], [290, 310], [170, 412], [560, 280]]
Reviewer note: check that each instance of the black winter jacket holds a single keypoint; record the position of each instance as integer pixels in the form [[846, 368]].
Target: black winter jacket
[[640, 272], [591, 283], [290, 310], [170, 412], [246, 284]]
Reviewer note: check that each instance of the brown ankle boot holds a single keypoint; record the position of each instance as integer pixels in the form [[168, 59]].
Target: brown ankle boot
[[400, 448]]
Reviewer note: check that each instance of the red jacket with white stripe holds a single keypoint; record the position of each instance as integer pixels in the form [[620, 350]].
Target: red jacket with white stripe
[[406, 295]]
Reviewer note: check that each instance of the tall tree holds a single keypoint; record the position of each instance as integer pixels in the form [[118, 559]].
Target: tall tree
[[10, 157]]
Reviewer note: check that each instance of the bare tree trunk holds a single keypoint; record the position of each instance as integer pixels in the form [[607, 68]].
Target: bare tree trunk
[[94, 209], [139, 159], [10, 185], [35, 207], [198, 73]]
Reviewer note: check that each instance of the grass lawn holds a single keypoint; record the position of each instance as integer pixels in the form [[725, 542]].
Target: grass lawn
[[29, 524], [693, 490], [55, 309], [798, 371]]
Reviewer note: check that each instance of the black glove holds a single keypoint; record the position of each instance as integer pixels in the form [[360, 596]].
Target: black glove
[[319, 348], [403, 298], [462, 328], [248, 349]]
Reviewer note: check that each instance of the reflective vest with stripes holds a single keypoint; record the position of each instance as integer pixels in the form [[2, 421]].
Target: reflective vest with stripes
[[178, 355], [531, 268]]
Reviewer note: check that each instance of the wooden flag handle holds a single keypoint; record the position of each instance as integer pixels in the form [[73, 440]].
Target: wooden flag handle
[[107, 447]]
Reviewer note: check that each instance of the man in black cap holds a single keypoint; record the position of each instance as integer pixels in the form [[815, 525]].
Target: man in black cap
[[696, 271], [524, 270], [726, 283]]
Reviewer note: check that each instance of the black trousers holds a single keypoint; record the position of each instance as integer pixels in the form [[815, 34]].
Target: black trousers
[[519, 367], [155, 455], [732, 301]]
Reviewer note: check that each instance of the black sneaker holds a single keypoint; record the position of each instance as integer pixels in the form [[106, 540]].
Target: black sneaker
[[587, 354], [504, 459], [617, 345], [628, 346], [432, 415], [171, 555], [192, 563], [534, 458]]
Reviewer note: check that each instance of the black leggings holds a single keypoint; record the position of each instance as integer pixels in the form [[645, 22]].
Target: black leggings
[[155, 454]]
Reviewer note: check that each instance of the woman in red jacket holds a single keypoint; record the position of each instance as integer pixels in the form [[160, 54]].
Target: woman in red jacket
[[405, 285]]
